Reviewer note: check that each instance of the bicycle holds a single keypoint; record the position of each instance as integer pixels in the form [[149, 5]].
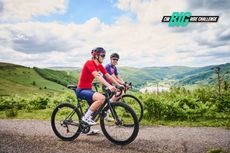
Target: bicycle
[[67, 125], [130, 100]]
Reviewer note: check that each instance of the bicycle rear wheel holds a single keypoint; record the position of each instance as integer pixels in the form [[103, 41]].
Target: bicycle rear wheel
[[117, 131], [65, 122], [134, 103]]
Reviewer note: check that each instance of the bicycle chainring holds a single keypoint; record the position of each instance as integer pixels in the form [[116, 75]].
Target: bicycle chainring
[[85, 128]]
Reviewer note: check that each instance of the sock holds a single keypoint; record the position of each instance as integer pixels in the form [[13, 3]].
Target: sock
[[88, 113], [108, 111]]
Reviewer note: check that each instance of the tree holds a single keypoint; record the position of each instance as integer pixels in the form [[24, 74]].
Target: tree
[[220, 77], [34, 83]]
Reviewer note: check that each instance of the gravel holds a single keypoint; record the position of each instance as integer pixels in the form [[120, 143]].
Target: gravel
[[24, 136]]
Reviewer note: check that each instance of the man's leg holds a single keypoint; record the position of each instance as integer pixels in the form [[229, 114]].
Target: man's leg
[[98, 99]]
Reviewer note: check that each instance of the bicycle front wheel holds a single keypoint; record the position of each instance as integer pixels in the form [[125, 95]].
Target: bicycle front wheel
[[65, 122], [134, 103], [117, 131]]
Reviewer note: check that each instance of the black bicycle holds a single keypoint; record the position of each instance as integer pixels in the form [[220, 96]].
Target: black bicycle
[[130, 100], [67, 125]]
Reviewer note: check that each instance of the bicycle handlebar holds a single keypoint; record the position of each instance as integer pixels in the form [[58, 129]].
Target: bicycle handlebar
[[127, 86], [110, 94], [120, 88]]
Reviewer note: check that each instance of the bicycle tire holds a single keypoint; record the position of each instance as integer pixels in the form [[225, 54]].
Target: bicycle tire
[[139, 109], [133, 134], [77, 117]]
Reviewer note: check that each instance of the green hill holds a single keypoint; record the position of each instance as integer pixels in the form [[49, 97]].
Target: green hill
[[139, 76], [175, 75], [61, 77], [204, 75], [16, 79], [171, 75]]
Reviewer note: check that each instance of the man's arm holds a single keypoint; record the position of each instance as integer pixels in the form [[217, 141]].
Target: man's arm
[[100, 78], [119, 79], [113, 80]]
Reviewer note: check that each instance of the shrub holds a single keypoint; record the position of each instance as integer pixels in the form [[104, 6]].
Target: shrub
[[39, 103], [11, 112], [179, 104]]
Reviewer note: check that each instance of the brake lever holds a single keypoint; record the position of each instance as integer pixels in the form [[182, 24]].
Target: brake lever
[[121, 89]]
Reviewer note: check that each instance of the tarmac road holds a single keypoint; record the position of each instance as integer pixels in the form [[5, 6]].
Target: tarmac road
[[24, 136]]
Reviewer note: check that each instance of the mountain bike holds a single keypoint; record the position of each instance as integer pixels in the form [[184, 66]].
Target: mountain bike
[[67, 125], [130, 100]]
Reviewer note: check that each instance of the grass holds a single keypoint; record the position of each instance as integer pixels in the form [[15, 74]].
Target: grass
[[216, 150], [23, 81], [203, 122], [45, 114]]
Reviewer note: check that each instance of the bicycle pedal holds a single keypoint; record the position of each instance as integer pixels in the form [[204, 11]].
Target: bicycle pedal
[[84, 124]]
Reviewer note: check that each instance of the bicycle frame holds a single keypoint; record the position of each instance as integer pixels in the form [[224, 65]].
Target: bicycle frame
[[107, 103]]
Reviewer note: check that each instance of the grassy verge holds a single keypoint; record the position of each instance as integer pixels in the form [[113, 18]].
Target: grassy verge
[[45, 114], [198, 123], [24, 114]]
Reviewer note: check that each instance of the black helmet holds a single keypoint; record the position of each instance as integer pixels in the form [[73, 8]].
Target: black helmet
[[114, 55], [98, 51]]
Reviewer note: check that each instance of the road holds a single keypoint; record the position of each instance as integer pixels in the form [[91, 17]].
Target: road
[[24, 136]]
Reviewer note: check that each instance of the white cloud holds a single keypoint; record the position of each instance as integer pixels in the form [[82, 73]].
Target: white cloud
[[170, 43], [24, 10], [143, 41], [151, 11]]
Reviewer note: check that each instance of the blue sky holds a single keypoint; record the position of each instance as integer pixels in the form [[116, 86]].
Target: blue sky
[[63, 32], [79, 11]]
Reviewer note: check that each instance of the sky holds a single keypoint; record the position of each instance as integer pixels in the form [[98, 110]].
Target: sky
[[51, 33]]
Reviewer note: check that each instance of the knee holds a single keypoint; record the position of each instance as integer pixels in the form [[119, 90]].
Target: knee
[[102, 99], [99, 98]]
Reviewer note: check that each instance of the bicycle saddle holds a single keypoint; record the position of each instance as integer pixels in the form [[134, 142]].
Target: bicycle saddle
[[73, 87]]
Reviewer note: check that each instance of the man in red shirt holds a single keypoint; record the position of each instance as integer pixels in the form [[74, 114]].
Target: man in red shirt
[[84, 91]]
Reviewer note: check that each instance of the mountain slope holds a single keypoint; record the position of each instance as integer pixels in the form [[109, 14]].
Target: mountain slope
[[203, 75], [16, 79], [140, 76], [61, 77], [171, 75]]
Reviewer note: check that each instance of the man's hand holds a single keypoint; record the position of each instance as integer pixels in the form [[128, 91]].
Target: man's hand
[[127, 85], [112, 89], [121, 86]]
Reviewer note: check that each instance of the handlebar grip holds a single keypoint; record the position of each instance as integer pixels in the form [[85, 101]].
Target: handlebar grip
[[119, 87], [121, 90], [110, 94]]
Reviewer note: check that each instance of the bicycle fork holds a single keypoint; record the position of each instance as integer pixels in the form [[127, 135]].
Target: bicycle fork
[[114, 114]]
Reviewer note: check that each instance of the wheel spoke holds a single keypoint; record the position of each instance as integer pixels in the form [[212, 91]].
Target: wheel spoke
[[135, 104], [117, 131], [65, 122]]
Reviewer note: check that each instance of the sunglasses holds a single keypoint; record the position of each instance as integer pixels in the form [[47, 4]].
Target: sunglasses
[[102, 55], [114, 59]]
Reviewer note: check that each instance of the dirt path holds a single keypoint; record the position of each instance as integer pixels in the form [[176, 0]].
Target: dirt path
[[23, 136]]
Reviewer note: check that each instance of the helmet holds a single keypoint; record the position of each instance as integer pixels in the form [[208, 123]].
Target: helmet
[[98, 51], [114, 55]]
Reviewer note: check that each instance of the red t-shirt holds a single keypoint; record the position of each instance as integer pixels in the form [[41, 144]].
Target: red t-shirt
[[86, 78]]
